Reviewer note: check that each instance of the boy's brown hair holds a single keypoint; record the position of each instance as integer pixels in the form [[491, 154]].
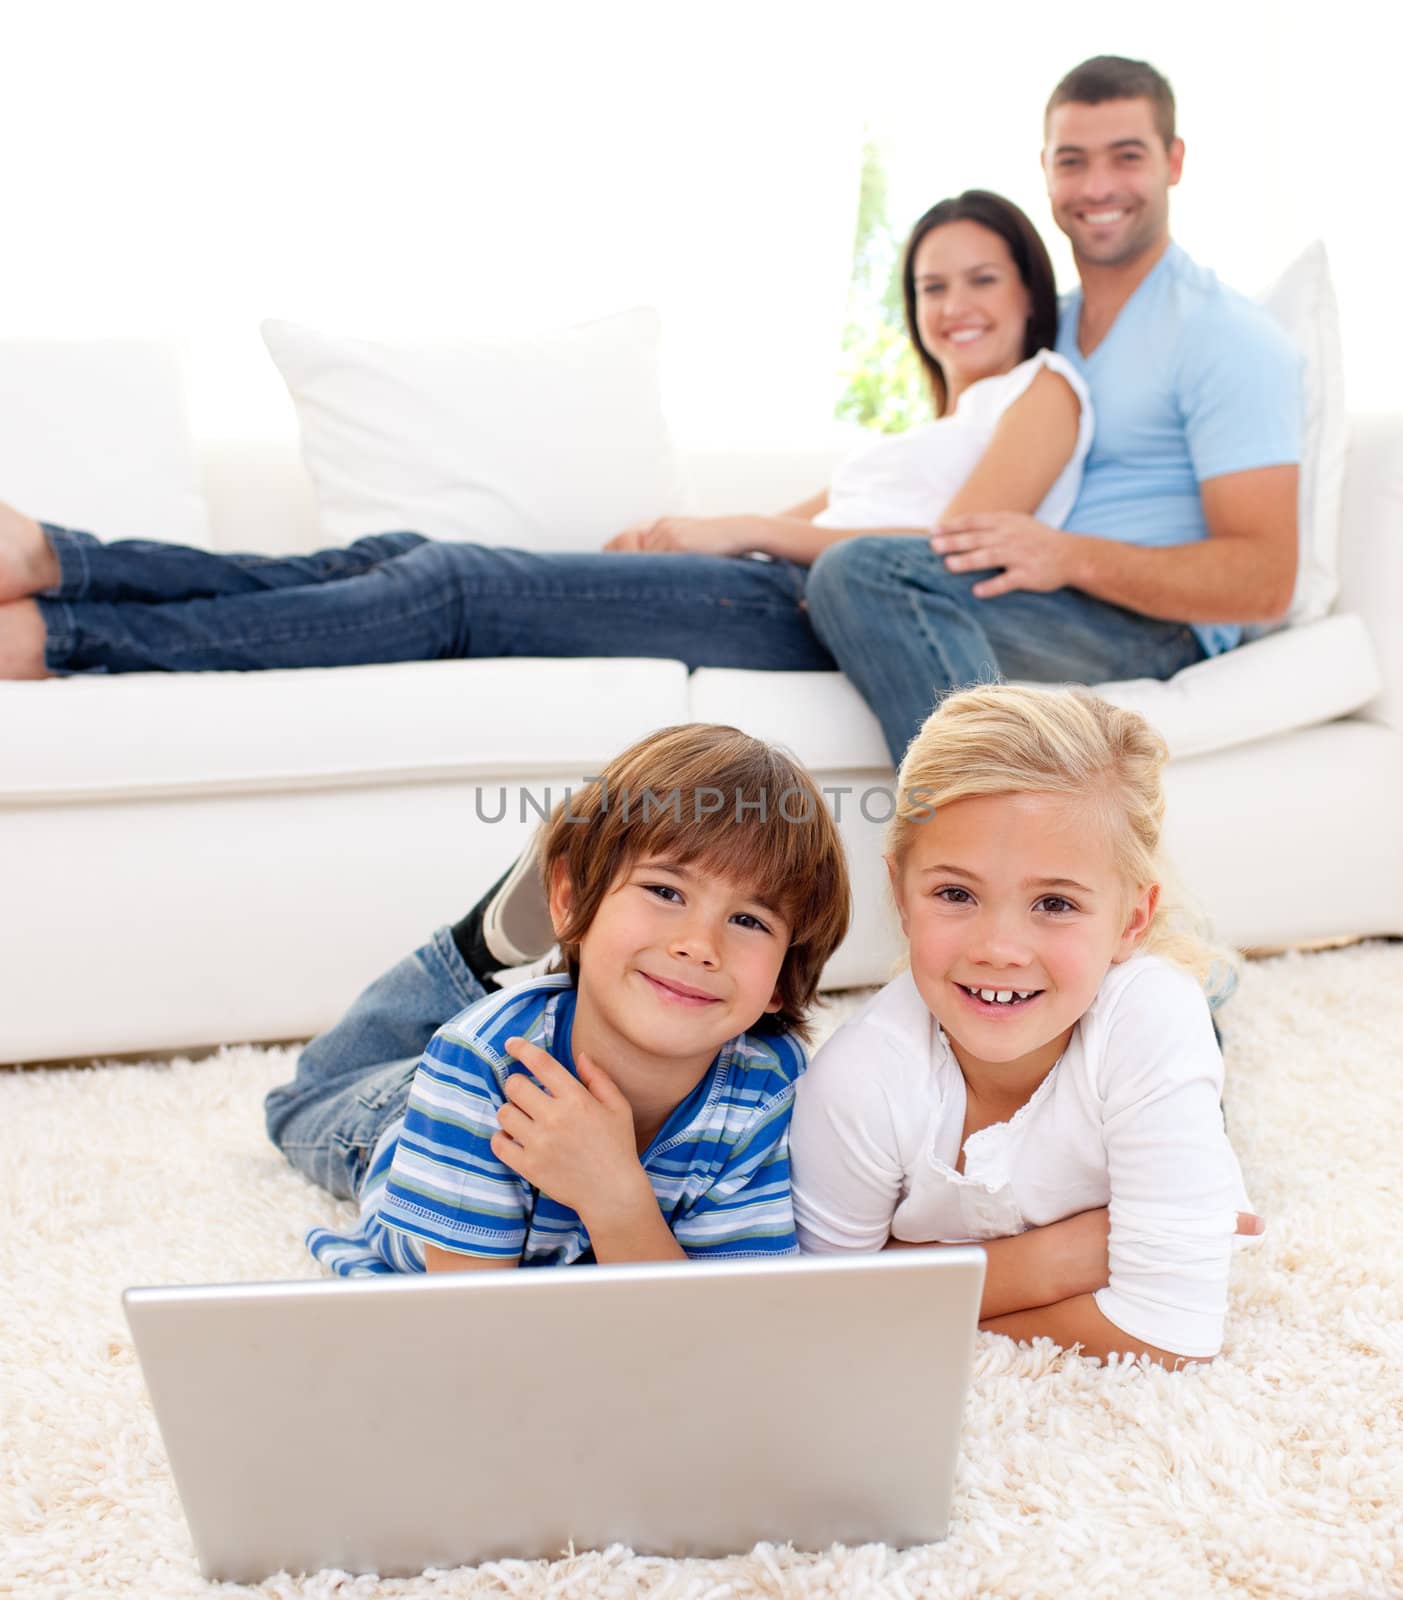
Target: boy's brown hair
[[712, 795]]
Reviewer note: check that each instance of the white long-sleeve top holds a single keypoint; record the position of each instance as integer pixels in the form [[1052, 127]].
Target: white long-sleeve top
[[1129, 1118]]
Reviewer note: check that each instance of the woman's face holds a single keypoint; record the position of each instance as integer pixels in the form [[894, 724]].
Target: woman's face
[[972, 308]]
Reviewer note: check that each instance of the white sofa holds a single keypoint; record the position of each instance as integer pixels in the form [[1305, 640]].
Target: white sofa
[[190, 860]]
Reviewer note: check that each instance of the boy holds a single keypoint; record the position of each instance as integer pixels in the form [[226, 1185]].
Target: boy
[[636, 1106]]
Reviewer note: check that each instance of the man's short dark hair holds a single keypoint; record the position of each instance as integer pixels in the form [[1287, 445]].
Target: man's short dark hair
[[1117, 78]]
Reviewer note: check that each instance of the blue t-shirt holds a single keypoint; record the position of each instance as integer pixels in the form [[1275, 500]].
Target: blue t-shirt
[[1193, 381], [719, 1165]]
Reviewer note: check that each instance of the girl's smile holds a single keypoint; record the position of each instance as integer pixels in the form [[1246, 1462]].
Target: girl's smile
[[990, 1001], [1016, 909]]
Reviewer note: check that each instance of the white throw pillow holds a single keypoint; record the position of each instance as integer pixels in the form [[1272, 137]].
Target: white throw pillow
[[94, 435], [547, 442], [1302, 300]]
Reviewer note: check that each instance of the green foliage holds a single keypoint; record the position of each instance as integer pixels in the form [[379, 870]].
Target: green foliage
[[883, 385]]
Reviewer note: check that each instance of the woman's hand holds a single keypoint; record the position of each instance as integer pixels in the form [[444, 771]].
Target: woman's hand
[[707, 536], [1031, 554]]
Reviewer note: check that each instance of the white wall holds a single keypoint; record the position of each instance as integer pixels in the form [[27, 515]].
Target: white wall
[[400, 166], [435, 164]]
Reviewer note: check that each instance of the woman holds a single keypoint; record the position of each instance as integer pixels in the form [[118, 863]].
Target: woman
[[1013, 426]]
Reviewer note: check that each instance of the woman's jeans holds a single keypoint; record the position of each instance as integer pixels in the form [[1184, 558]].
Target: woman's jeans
[[883, 609], [354, 1080], [139, 606]]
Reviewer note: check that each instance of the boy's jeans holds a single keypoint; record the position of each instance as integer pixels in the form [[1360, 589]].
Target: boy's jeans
[[354, 1080]]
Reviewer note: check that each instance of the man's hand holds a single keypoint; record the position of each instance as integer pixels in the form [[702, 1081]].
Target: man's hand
[[1032, 555], [572, 1138], [707, 536]]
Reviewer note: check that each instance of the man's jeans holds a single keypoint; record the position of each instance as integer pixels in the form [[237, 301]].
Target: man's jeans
[[354, 1080], [885, 610], [905, 629]]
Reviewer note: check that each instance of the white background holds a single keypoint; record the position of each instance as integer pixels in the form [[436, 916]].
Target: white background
[[419, 166]]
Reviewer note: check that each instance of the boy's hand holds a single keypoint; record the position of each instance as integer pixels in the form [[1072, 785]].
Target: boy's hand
[[572, 1138]]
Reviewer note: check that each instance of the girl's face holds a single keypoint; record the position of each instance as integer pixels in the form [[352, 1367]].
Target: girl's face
[[1015, 910], [972, 308]]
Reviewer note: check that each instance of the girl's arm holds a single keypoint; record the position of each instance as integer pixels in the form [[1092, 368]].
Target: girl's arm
[[1079, 1321], [846, 1162], [1035, 1270], [1175, 1186], [1033, 441], [1039, 1267]]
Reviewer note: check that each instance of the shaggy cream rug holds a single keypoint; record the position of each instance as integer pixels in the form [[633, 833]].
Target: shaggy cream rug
[[1275, 1472]]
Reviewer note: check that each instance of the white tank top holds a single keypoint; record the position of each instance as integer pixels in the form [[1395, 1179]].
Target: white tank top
[[905, 480]]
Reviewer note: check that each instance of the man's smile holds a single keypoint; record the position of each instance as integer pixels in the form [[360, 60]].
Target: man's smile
[[1107, 217]]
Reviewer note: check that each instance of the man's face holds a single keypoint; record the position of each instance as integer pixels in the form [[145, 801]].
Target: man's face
[[1108, 178]]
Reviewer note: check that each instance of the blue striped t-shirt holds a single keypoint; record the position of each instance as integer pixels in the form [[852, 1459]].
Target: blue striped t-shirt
[[719, 1165]]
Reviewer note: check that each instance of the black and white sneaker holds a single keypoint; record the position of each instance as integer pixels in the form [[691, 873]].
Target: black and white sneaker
[[510, 926]]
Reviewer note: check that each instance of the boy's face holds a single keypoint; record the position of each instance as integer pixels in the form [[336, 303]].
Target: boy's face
[[677, 959], [1108, 177]]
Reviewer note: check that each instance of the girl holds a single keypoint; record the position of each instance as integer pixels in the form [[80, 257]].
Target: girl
[[1048, 1053], [1013, 429]]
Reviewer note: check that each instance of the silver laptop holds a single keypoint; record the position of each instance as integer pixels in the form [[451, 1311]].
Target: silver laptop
[[691, 1409]]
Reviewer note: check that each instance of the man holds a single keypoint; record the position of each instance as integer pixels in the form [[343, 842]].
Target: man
[[1185, 527]]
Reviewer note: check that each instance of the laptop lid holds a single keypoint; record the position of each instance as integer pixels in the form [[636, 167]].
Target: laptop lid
[[684, 1409]]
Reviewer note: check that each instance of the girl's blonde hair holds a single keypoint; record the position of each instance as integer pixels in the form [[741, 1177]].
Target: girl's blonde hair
[[1015, 739]]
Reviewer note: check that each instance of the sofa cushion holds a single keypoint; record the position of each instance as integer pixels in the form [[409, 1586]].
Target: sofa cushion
[[1302, 300], [94, 434], [1292, 679], [145, 734], [553, 441]]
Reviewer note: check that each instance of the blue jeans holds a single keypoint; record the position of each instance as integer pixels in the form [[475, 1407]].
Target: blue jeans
[[354, 1080], [140, 606], [884, 610], [905, 630]]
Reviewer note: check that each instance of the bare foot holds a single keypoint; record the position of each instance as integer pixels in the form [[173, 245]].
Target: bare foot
[[22, 641], [27, 563]]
